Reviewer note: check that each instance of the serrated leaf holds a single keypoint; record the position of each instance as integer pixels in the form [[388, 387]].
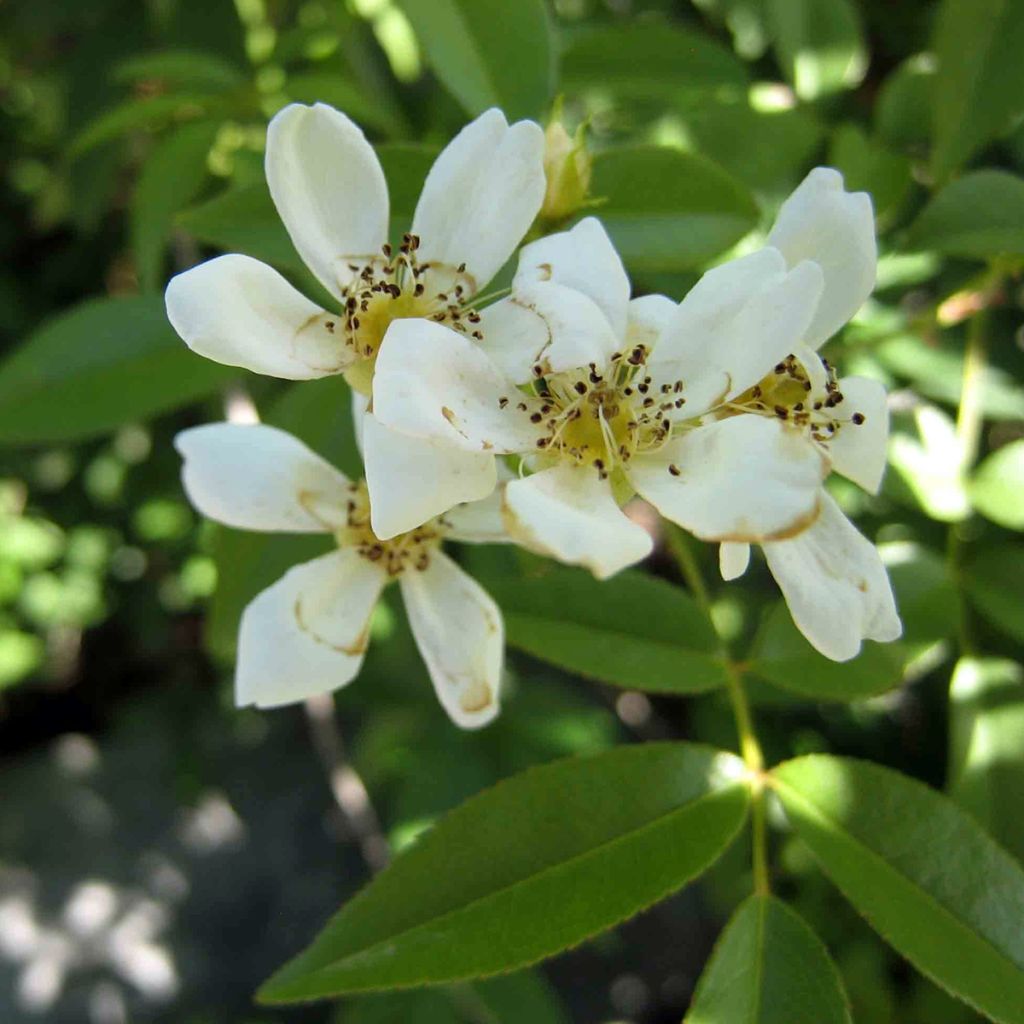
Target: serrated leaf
[[667, 210], [923, 873], [783, 656], [645, 59], [632, 630], [768, 967], [97, 366], [819, 43], [992, 581], [468, 900], [986, 766], [170, 178], [997, 488], [980, 85], [978, 216], [488, 53]]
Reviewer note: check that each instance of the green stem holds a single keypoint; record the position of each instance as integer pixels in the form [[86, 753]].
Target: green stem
[[750, 748]]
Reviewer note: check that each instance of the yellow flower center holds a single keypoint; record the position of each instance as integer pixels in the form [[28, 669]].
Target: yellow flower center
[[604, 418], [397, 285], [411, 550], [788, 394]]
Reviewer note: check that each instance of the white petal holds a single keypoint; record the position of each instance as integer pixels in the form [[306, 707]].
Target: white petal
[[479, 522], [329, 190], [648, 317], [461, 636], [836, 587], [412, 479], [733, 559], [737, 322], [481, 195], [514, 335], [433, 382], [307, 633], [836, 229], [746, 478], [583, 259], [569, 513], [255, 477], [576, 330], [360, 403], [238, 311], [858, 449]]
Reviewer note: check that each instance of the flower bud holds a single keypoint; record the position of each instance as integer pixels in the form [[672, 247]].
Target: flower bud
[[567, 166]]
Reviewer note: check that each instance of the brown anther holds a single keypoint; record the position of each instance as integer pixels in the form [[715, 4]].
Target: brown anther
[[674, 469], [858, 418]]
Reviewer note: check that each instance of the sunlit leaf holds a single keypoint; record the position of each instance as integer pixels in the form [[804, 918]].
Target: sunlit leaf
[[783, 657], [921, 870], [986, 769], [819, 43], [768, 967], [632, 630], [488, 53], [668, 210], [997, 488], [979, 215], [980, 85], [645, 59], [464, 901], [97, 366], [931, 464]]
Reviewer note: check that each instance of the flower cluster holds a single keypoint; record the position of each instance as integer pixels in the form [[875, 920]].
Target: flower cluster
[[717, 410]]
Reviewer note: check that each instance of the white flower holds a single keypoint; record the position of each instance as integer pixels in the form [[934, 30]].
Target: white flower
[[308, 633], [718, 411], [478, 201]]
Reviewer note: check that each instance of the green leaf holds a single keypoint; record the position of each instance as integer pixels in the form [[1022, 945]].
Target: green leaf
[[768, 967], [632, 630], [869, 166], [925, 594], [667, 210], [244, 220], [992, 580], [406, 166], [488, 53], [191, 69], [978, 216], [782, 656], [171, 176], [645, 59], [317, 412], [820, 45], [997, 489], [768, 150], [980, 85], [903, 109], [607, 835], [986, 769], [97, 366], [134, 114], [332, 87], [923, 873]]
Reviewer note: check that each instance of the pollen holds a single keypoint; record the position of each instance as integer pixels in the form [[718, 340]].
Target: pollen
[[410, 551], [604, 417], [397, 285], [789, 394]]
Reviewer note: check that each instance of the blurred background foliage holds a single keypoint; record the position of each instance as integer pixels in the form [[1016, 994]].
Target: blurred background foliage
[[161, 852]]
